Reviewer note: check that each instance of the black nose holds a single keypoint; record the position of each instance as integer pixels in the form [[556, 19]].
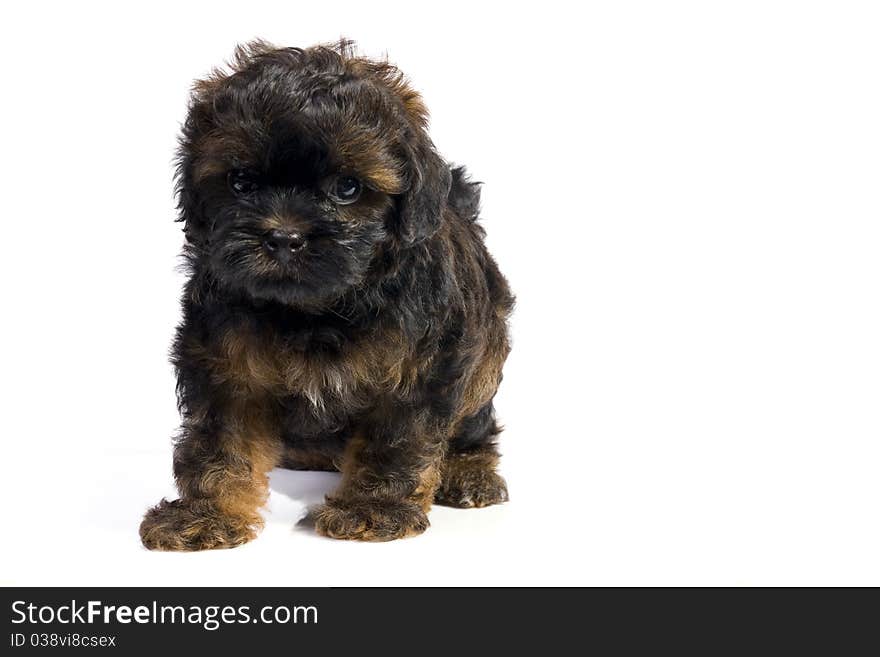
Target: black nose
[[281, 245]]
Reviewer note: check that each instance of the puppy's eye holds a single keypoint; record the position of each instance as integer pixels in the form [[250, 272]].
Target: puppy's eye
[[344, 190], [243, 182]]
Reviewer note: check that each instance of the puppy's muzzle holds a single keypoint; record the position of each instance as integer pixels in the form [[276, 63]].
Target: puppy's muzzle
[[282, 245]]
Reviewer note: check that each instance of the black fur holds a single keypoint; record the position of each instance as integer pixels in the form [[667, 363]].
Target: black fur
[[376, 349]]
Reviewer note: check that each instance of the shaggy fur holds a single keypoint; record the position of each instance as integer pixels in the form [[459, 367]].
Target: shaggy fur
[[342, 311]]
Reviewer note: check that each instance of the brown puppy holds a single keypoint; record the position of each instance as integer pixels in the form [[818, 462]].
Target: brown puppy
[[342, 311]]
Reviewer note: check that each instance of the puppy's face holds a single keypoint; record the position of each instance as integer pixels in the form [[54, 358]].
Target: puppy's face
[[296, 169]]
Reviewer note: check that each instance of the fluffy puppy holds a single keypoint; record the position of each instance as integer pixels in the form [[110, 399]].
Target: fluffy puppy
[[342, 311]]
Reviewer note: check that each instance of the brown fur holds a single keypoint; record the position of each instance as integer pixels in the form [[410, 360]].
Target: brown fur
[[385, 362], [470, 480], [220, 496], [311, 459]]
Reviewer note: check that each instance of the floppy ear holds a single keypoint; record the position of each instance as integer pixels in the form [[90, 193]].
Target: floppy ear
[[189, 205], [420, 208], [208, 99]]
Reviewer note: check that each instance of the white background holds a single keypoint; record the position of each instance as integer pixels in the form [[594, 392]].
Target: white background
[[684, 196]]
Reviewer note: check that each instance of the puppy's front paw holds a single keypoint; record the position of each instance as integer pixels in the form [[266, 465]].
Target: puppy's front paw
[[472, 489], [190, 526], [370, 520]]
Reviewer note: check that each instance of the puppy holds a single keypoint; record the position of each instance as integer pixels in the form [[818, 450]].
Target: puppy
[[341, 313]]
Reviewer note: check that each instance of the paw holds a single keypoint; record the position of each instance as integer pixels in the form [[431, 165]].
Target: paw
[[369, 520], [473, 489], [193, 525]]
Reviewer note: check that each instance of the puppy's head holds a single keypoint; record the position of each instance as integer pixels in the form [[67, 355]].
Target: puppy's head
[[299, 167]]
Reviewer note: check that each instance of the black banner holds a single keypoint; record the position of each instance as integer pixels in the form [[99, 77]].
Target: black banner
[[411, 620]]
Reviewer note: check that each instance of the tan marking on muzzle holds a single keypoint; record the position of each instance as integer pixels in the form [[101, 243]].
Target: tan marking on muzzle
[[287, 224]]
